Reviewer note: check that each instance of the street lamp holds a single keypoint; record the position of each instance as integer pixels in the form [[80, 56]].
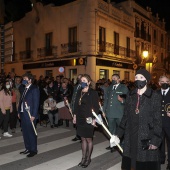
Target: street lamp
[[145, 54]]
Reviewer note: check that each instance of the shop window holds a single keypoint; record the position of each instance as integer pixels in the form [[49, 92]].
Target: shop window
[[116, 72], [103, 74]]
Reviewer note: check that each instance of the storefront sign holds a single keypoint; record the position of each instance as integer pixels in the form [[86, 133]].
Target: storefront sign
[[108, 63], [60, 63]]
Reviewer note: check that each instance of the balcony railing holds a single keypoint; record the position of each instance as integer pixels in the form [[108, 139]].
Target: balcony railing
[[71, 47], [24, 55], [45, 52], [110, 48], [142, 35]]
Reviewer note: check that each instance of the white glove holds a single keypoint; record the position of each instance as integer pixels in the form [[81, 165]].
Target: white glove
[[27, 108], [114, 140]]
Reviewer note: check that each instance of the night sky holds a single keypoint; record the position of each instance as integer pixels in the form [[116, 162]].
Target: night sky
[[16, 9]]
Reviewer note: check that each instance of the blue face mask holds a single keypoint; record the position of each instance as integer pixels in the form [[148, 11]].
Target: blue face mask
[[24, 82], [83, 85]]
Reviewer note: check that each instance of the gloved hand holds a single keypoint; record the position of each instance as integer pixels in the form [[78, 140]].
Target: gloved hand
[[114, 140]]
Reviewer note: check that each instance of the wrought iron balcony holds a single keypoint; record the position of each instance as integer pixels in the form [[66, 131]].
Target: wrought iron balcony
[[46, 52], [71, 47], [143, 35], [110, 48], [25, 55]]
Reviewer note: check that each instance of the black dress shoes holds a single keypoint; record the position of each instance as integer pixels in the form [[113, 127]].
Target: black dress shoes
[[25, 152], [56, 125], [86, 163], [76, 139], [108, 148], [113, 149], [31, 154]]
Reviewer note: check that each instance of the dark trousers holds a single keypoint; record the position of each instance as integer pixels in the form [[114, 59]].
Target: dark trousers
[[166, 136], [4, 120], [30, 139], [13, 117], [113, 124]]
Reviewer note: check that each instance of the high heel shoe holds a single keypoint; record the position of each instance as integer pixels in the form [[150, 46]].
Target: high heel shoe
[[82, 162], [86, 163]]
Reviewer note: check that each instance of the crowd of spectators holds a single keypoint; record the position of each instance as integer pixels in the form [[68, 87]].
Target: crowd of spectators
[[60, 89]]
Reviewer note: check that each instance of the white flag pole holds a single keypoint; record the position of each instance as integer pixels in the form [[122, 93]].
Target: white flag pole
[[69, 108], [27, 109], [106, 130]]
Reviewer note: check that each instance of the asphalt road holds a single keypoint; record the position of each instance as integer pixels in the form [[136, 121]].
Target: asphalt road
[[57, 151]]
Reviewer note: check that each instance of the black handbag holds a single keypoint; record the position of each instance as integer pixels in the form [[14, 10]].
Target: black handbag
[[145, 144]]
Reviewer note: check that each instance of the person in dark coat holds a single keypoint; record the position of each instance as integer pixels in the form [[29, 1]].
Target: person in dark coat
[[76, 88], [165, 113], [30, 96], [86, 100], [141, 126]]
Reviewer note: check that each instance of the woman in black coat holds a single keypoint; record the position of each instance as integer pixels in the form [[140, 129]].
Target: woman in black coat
[[86, 100], [141, 126]]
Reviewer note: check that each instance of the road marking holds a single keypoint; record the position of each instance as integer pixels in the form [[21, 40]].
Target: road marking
[[19, 139]]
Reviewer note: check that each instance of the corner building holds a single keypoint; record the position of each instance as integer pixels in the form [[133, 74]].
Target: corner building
[[85, 36]]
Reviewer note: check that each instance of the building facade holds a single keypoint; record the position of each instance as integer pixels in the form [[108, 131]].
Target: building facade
[[85, 36]]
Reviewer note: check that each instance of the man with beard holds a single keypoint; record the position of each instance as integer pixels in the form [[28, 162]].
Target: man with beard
[[165, 92], [76, 88], [114, 104]]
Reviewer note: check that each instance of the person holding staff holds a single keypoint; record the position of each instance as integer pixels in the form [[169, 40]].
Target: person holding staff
[[86, 100], [141, 126], [29, 97]]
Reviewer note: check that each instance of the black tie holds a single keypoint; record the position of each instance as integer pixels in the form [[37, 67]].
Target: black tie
[[163, 93], [114, 87]]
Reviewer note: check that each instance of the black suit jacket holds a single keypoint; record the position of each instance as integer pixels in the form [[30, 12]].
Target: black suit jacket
[[165, 102]]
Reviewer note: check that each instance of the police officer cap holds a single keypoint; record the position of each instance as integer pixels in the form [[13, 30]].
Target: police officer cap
[[145, 73]]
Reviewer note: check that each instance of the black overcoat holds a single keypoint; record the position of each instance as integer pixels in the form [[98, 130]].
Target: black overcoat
[[149, 125]]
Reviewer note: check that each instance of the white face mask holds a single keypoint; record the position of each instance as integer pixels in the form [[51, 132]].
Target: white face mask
[[8, 86], [50, 99]]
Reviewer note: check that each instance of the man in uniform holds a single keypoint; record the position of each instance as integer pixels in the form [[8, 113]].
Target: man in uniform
[[165, 92], [114, 103]]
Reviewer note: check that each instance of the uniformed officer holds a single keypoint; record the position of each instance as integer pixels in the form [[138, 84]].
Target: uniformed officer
[[165, 92], [114, 103]]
